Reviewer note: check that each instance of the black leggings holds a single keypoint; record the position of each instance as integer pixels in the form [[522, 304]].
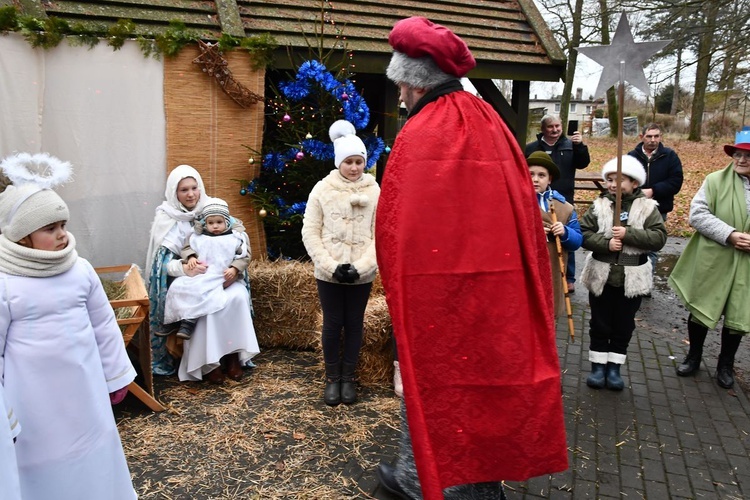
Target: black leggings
[[343, 307]]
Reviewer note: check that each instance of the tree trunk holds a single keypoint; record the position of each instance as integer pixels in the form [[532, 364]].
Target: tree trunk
[[612, 110], [570, 71], [705, 45], [676, 89]]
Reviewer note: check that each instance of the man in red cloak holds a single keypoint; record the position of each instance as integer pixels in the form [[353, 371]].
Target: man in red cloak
[[464, 263]]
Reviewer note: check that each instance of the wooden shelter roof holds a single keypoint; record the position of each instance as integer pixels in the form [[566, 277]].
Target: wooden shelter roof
[[508, 38]]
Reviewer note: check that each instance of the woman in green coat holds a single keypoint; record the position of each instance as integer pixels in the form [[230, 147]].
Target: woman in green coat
[[712, 276]]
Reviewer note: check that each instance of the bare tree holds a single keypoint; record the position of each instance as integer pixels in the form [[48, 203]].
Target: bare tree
[[705, 46], [572, 23]]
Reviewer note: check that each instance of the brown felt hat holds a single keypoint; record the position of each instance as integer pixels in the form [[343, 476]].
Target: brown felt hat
[[542, 159]]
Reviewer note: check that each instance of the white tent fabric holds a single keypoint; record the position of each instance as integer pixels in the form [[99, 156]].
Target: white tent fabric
[[103, 111]]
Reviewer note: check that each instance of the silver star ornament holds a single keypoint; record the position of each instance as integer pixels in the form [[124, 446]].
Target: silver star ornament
[[623, 49]]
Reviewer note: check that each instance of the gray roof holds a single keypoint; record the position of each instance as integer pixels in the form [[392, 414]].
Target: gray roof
[[509, 39]]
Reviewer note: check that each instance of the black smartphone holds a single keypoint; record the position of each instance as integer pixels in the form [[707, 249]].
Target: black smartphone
[[572, 127]]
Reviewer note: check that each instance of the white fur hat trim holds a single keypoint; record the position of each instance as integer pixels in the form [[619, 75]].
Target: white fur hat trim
[[630, 167]]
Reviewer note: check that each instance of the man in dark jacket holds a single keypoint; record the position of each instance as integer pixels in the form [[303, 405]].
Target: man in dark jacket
[[569, 154], [663, 168]]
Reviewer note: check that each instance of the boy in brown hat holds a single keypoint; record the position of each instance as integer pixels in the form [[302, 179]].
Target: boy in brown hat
[[559, 218]]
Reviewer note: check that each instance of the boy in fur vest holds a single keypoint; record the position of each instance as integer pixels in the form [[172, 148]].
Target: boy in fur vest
[[617, 272], [543, 173]]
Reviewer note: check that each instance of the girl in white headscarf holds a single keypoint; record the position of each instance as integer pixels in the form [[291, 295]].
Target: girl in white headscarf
[[224, 334]]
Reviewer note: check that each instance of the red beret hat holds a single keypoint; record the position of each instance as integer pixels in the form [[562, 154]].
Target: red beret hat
[[419, 37]]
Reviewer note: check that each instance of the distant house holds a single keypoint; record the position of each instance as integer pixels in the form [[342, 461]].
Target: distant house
[[581, 109]]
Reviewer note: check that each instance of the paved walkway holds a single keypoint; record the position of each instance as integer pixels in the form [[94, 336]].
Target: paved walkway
[[663, 437]]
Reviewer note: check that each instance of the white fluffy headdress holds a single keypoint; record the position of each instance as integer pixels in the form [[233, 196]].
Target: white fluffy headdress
[[630, 167], [345, 142], [29, 203]]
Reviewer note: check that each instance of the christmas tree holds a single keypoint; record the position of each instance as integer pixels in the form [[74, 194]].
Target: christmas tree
[[297, 151]]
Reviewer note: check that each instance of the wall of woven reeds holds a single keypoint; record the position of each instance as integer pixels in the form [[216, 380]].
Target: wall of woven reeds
[[208, 130]]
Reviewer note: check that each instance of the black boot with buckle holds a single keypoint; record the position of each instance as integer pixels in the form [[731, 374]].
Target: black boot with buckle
[[697, 336], [730, 342], [332, 392], [348, 384]]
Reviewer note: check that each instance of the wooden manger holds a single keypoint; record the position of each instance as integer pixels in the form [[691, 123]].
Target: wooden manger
[[135, 307]]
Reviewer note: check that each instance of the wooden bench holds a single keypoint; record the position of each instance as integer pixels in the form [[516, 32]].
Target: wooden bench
[[136, 299], [588, 181]]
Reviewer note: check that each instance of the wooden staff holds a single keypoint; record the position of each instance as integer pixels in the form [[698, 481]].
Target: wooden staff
[[620, 121], [558, 246]]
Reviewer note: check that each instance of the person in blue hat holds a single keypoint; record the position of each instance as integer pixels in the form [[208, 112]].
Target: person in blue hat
[[711, 275]]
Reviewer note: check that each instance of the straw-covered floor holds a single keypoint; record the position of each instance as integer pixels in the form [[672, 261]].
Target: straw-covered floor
[[267, 436]]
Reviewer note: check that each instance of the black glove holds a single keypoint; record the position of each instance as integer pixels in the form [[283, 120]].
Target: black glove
[[341, 273], [352, 274]]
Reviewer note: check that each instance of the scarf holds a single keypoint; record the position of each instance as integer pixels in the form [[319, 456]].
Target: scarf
[[171, 210], [19, 260]]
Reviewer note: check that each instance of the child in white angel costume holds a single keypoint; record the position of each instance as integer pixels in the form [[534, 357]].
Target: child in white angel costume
[[62, 359]]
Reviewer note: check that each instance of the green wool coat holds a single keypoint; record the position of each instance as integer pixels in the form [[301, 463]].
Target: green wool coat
[[713, 279]]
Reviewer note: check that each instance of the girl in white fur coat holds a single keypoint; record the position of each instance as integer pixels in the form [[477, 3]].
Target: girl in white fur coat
[[339, 235]]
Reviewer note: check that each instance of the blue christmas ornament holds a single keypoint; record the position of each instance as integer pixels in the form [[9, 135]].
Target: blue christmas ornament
[[387, 149], [243, 192]]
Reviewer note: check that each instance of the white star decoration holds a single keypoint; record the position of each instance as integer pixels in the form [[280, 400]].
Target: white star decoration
[[623, 48]]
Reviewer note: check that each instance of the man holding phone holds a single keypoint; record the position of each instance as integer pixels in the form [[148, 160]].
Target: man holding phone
[[569, 154]]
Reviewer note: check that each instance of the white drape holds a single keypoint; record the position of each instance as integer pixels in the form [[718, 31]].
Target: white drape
[[102, 110]]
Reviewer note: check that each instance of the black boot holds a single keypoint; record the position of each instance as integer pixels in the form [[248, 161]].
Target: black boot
[[332, 392], [614, 379], [730, 342], [348, 384], [697, 335], [387, 477], [596, 379]]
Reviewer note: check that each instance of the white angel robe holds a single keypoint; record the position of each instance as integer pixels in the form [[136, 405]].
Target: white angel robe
[[191, 297], [10, 489], [61, 355]]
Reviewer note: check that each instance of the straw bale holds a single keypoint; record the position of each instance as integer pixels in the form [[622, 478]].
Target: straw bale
[[287, 314], [285, 302], [376, 357], [375, 365]]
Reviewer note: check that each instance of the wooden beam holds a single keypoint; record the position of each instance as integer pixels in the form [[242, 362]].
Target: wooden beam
[[515, 114], [391, 110], [520, 103], [495, 98], [229, 17], [33, 8]]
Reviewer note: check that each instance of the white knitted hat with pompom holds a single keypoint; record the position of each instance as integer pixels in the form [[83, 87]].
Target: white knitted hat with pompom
[[345, 142]]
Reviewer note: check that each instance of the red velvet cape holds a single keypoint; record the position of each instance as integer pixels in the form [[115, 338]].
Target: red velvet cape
[[464, 264]]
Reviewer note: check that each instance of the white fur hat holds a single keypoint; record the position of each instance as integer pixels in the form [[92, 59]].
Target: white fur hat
[[630, 167], [345, 142], [29, 204], [418, 73]]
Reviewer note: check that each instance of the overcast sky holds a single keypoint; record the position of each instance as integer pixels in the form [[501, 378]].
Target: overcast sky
[[588, 72]]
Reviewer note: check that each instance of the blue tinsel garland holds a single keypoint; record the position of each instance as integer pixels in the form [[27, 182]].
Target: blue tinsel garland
[[355, 108], [310, 75]]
